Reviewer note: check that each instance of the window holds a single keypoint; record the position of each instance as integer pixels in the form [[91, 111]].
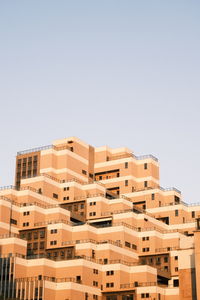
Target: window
[[42, 234], [92, 203], [66, 188], [53, 242], [29, 236], [165, 259], [35, 246], [126, 165], [13, 221], [109, 284], [95, 283], [26, 213], [145, 295], [78, 278], [25, 224], [152, 196], [193, 214], [108, 273], [127, 244], [95, 297], [145, 183], [35, 235], [145, 238], [41, 245], [84, 172], [54, 231], [126, 182], [176, 212], [176, 283], [92, 213], [176, 257], [95, 271], [176, 269], [66, 198], [145, 249], [55, 196], [134, 247], [145, 166]]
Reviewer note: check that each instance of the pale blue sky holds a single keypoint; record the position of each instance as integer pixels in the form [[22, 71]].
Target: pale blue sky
[[121, 73]]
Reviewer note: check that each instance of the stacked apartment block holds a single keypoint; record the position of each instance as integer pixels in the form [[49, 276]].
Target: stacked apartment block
[[85, 223]]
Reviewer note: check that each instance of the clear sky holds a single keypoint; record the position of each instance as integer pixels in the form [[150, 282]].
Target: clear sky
[[117, 73]]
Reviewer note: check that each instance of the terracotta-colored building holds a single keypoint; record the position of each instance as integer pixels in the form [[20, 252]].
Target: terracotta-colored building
[[85, 223]]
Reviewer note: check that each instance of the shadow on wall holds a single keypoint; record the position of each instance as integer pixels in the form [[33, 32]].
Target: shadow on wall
[[193, 278]]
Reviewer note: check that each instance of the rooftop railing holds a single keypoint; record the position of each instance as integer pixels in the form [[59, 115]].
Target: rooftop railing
[[34, 150], [57, 148]]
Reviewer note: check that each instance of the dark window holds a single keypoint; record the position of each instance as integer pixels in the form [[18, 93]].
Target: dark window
[[176, 257], [176, 282], [13, 221], [145, 183], [193, 214], [127, 244], [165, 259], [84, 172], [66, 188], [126, 165], [152, 196], [176, 213], [126, 182], [55, 196], [145, 166]]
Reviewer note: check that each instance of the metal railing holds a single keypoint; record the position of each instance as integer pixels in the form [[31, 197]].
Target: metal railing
[[74, 242], [137, 284]]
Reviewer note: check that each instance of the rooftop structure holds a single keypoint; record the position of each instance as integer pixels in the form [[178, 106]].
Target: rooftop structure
[[85, 223]]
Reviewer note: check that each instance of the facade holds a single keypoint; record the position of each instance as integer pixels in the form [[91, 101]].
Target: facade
[[85, 223]]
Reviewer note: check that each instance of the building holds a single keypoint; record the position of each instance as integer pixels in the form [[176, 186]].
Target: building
[[85, 223]]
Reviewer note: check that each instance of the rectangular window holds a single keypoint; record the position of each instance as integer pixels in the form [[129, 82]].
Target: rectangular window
[[134, 247], [127, 244], [126, 165], [152, 196], [35, 235], [176, 213], [84, 172], [25, 224], [53, 231], [42, 234], [41, 245], [193, 214], [126, 182], [108, 273], [35, 246], [145, 183], [145, 166], [53, 242], [66, 188], [55, 196], [13, 221]]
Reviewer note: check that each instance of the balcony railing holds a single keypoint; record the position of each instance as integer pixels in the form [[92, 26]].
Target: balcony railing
[[137, 284]]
